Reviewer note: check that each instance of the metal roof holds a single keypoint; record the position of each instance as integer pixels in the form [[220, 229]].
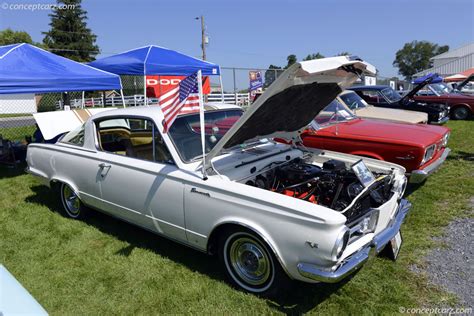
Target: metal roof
[[455, 53], [451, 67]]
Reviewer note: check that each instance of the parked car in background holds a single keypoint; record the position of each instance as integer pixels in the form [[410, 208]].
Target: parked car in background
[[268, 210], [386, 97], [461, 104], [364, 110], [420, 149], [466, 86]]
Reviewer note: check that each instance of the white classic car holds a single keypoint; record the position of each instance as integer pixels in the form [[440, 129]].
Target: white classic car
[[270, 211]]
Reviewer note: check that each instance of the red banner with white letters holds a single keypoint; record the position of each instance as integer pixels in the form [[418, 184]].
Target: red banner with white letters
[[156, 86]]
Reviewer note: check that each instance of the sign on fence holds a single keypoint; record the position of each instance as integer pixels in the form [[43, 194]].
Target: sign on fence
[[156, 86], [256, 82]]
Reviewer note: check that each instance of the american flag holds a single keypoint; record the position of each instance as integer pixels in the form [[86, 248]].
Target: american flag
[[183, 98]]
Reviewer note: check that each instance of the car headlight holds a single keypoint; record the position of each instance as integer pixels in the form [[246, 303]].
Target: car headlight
[[445, 139], [341, 243], [440, 115], [429, 152], [369, 223]]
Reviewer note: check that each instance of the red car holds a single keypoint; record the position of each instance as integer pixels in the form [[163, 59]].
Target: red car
[[462, 105], [420, 148]]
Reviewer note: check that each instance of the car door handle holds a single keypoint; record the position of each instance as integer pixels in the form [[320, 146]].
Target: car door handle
[[104, 169]]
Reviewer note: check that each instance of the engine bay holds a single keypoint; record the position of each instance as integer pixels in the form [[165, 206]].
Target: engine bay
[[334, 185]]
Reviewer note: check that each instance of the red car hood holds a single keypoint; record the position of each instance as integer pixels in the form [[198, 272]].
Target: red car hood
[[380, 131]]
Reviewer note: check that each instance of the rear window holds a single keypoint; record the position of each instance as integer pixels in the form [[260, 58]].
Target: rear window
[[75, 137]]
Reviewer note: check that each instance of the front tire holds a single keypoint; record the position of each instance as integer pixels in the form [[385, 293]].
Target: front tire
[[250, 264], [460, 113], [72, 205]]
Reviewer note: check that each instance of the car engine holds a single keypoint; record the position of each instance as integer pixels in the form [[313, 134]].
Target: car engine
[[333, 185]]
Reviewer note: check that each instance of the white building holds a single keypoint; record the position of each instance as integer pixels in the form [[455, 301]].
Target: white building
[[451, 62]]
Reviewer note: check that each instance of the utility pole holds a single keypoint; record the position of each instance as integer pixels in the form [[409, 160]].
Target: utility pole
[[203, 37]]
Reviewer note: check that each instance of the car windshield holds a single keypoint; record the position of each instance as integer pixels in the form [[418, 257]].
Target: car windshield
[[335, 112], [353, 101], [186, 132], [440, 88], [391, 95]]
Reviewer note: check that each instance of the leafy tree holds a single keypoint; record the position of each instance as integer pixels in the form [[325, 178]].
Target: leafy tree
[[271, 74], [9, 36], [415, 57], [318, 55], [69, 35], [291, 60], [344, 54]]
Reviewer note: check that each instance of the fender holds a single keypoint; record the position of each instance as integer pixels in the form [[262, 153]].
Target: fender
[[462, 105], [258, 230], [69, 183]]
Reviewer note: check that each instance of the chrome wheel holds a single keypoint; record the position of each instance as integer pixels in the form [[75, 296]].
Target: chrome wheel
[[249, 262], [71, 202], [461, 113]]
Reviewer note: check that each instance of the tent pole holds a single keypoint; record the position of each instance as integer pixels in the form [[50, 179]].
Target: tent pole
[[83, 99], [144, 89], [202, 125], [123, 98], [222, 88]]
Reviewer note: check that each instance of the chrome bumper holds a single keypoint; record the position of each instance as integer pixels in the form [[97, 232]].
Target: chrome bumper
[[418, 176], [441, 122], [355, 261]]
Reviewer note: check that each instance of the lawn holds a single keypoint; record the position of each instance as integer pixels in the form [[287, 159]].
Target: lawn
[[104, 266], [17, 133], [15, 115]]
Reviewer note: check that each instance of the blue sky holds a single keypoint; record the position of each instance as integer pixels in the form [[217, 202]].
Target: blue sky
[[258, 33]]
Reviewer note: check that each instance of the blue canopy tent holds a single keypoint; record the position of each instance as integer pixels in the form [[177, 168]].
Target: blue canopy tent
[[26, 68], [435, 78], [155, 60]]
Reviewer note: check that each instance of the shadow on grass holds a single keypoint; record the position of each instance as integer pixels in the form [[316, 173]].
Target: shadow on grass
[[299, 298], [11, 171], [453, 156], [461, 155]]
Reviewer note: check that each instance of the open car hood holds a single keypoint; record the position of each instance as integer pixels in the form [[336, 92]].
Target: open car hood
[[464, 82], [293, 100], [420, 83]]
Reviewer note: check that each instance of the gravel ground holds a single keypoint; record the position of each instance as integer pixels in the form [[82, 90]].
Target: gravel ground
[[451, 264]]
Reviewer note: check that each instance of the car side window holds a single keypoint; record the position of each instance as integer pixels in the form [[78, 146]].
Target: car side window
[[132, 137], [75, 137]]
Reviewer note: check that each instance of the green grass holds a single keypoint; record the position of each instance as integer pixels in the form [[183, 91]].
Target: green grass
[[15, 115], [17, 133], [104, 266]]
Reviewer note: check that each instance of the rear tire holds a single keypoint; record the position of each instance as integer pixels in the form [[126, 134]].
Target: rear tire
[[460, 113], [250, 264], [72, 205]]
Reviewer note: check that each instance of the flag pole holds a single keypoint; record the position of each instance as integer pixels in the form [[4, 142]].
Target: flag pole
[[202, 125]]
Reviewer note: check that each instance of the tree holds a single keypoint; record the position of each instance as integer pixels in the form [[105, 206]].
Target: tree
[[69, 35], [415, 57], [344, 54], [271, 74], [291, 60], [318, 55], [9, 36]]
